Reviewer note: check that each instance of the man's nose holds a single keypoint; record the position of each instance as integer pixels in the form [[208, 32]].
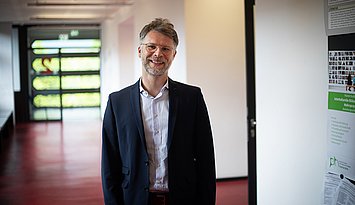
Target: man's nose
[[158, 52]]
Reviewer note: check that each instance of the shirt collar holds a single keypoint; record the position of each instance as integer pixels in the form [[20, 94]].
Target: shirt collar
[[145, 93]]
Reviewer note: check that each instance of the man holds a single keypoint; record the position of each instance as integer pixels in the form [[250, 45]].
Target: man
[[157, 145]]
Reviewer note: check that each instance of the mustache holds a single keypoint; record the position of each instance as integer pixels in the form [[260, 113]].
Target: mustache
[[157, 59]]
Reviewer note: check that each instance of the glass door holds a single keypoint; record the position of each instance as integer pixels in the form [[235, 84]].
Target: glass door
[[64, 74]]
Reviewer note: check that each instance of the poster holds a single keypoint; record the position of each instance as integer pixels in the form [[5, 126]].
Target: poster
[[341, 112], [340, 16], [339, 176], [338, 190], [339, 186]]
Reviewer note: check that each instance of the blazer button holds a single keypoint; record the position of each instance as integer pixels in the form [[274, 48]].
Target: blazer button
[[146, 163], [146, 189]]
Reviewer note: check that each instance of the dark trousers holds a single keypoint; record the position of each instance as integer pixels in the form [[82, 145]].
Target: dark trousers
[[156, 198]]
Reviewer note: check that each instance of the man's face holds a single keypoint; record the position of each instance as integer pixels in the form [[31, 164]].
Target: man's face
[[157, 52]]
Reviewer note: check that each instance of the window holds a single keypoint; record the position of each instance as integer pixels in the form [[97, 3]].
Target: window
[[65, 75]]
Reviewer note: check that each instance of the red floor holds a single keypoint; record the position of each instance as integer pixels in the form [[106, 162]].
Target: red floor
[[59, 163]]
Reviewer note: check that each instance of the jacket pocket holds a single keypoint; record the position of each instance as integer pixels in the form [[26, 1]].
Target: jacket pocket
[[125, 176]]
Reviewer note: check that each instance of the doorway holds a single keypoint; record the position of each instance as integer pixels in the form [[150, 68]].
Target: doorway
[[64, 73]]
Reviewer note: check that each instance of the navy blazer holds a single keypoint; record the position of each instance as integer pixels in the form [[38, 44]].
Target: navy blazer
[[191, 162]]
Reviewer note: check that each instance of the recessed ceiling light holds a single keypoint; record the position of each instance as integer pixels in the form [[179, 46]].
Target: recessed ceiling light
[[44, 3]]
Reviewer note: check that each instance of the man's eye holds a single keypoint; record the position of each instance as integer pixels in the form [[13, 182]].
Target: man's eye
[[151, 47], [167, 49]]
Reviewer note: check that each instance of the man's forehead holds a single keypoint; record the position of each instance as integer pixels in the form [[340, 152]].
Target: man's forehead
[[156, 35]]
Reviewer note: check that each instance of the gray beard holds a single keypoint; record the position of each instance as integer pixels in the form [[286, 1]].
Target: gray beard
[[155, 72]]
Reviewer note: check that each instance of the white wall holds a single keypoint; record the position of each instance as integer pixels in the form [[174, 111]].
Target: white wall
[[127, 52], [110, 78], [215, 55], [6, 80], [291, 101], [114, 73]]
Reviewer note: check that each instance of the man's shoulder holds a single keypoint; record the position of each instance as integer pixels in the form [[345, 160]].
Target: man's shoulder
[[123, 92], [183, 86]]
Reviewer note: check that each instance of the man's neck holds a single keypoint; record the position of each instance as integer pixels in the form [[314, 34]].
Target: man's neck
[[153, 84]]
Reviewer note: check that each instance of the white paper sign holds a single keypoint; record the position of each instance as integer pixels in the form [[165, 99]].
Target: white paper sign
[[340, 16]]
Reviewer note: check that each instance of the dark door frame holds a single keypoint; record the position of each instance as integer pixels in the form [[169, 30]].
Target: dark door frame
[[251, 116], [22, 111]]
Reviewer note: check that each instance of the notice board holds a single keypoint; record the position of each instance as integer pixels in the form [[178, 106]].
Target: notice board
[[339, 175]]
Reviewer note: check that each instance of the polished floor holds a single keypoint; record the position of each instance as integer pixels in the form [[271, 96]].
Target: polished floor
[[58, 163]]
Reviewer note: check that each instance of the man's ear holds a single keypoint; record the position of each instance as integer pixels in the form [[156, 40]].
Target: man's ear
[[139, 51]]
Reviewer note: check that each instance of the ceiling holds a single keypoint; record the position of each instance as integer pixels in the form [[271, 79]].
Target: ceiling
[[59, 11]]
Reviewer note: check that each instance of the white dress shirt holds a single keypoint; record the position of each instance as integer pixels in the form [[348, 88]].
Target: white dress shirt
[[155, 115]]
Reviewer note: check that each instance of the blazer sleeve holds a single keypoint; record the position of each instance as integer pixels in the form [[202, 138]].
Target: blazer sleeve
[[205, 159], [110, 159]]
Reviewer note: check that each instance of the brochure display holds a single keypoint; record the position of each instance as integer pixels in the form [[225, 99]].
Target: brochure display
[[341, 126], [339, 188]]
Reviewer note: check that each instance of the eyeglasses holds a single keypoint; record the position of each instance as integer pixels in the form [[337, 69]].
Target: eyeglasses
[[151, 47]]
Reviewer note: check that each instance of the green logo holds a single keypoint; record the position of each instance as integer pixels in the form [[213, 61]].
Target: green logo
[[332, 161]]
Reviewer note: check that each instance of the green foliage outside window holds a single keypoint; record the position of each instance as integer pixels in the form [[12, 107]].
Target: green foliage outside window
[[68, 82], [81, 100], [80, 64], [80, 50], [46, 51], [69, 100], [70, 43], [67, 64], [41, 51], [81, 82], [46, 83], [44, 64], [47, 100]]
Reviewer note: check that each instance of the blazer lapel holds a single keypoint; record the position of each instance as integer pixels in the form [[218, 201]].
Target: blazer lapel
[[173, 108], [136, 107]]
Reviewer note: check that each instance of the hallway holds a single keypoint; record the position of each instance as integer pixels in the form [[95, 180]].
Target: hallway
[[59, 163]]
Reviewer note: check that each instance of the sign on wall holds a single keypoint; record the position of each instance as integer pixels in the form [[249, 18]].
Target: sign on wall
[[339, 16], [339, 188]]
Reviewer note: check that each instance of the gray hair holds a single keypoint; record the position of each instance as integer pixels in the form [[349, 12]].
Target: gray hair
[[162, 26]]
